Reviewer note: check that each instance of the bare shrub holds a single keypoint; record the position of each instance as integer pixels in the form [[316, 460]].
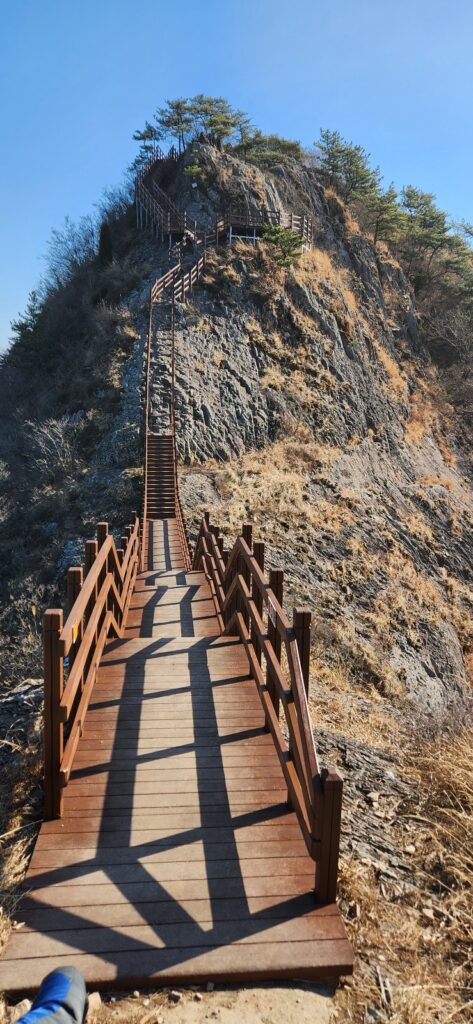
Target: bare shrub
[[53, 452], [69, 248]]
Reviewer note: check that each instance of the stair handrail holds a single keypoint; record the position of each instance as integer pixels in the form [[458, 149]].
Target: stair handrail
[[98, 598], [181, 525], [249, 605]]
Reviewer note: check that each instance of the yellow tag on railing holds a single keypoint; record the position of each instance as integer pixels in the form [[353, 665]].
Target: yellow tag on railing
[[75, 632]]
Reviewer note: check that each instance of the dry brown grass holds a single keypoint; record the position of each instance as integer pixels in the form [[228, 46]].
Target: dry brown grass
[[319, 271], [417, 944], [337, 699], [270, 487], [293, 383], [217, 357], [422, 417], [397, 380], [273, 377], [19, 819], [438, 481]]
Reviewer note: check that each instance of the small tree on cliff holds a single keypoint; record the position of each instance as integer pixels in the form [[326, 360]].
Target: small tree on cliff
[[287, 243]]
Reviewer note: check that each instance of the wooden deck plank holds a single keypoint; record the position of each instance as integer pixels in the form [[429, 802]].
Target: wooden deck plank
[[200, 911], [178, 858], [234, 963]]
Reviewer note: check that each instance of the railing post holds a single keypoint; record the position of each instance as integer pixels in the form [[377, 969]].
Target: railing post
[[276, 583], [258, 552], [75, 579], [91, 551], [102, 534], [53, 727], [247, 534], [326, 871], [302, 624]]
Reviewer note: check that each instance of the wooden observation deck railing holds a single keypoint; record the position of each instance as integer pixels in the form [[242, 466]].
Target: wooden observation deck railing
[[250, 606], [155, 208], [98, 596]]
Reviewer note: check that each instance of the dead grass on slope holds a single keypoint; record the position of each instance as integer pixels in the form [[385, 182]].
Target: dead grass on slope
[[339, 699], [397, 382], [416, 949], [270, 487], [20, 811]]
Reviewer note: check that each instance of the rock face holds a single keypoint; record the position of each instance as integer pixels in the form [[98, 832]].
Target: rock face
[[320, 368]]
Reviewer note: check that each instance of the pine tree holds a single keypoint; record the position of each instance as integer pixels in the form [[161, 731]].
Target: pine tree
[[24, 327], [383, 215], [148, 136], [330, 150], [288, 243], [175, 119], [214, 118], [426, 234], [359, 179], [346, 166], [268, 150]]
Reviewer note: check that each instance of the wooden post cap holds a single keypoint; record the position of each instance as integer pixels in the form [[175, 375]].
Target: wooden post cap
[[53, 619], [102, 533]]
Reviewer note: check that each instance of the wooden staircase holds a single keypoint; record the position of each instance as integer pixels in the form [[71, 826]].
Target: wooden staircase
[[160, 484]]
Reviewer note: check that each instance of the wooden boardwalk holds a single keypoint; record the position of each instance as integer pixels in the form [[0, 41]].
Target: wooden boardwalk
[[177, 858]]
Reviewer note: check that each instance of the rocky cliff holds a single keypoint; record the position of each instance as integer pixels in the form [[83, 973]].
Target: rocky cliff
[[314, 388]]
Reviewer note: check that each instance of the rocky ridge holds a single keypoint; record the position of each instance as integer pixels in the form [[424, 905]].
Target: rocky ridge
[[320, 370]]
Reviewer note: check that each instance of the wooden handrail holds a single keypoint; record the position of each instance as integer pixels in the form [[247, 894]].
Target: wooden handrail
[[73, 649], [146, 409], [243, 597]]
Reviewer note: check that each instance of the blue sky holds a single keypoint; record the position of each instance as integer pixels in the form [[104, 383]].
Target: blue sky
[[78, 76]]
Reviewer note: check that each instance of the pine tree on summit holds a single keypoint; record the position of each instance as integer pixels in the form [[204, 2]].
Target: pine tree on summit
[[175, 119]]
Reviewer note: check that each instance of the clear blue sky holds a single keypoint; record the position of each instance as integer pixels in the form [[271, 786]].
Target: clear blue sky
[[78, 76]]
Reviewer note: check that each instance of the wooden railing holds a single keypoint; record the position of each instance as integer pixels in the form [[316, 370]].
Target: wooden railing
[[158, 289], [181, 523], [157, 155], [146, 410], [179, 283], [298, 223], [98, 598], [167, 218], [249, 605]]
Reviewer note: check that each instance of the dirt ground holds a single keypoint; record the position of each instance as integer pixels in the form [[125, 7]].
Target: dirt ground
[[260, 1004]]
